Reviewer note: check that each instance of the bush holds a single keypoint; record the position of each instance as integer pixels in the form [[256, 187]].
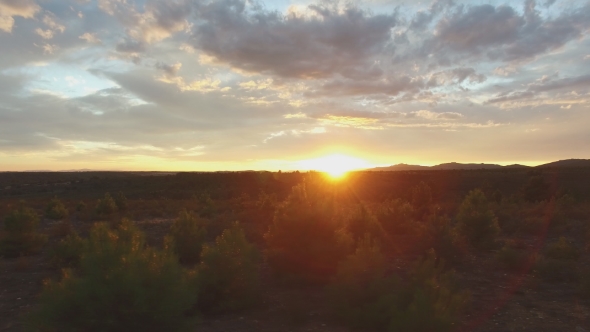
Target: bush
[[305, 241], [431, 302], [396, 218], [444, 238], [364, 297], [361, 295], [421, 199], [476, 221], [187, 236], [228, 274], [106, 206], [361, 222], [19, 236], [81, 206], [56, 210], [121, 286], [67, 251], [121, 202], [562, 249]]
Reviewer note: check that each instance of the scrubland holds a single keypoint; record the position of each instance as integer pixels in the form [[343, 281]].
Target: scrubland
[[471, 250]]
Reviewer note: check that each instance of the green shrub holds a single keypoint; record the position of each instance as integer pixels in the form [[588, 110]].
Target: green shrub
[[444, 238], [396, 218], [361, 222], [421, 199], [562, 249], [431, 302], [476, 221], [361, 295], [106, 206], [19, 236], [364, 297], [81, 206], [67, 252], [121, 202], [228, 275], [56, 210], [187, 236], [206, 205], [305, 241], [121, 285]]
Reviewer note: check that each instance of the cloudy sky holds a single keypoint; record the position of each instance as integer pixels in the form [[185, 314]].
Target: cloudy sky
[[233, 85]]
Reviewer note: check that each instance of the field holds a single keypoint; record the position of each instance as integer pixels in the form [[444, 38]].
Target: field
[[440, 250]]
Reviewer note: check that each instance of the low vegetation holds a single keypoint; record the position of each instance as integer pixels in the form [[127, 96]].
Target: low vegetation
[[19, 235], [365, 253], [120, 285]]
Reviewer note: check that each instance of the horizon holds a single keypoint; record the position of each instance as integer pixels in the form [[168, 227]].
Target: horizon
[[286, 170], [220, 85]]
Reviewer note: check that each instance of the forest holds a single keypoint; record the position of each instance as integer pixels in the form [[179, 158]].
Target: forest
[[427, 250]]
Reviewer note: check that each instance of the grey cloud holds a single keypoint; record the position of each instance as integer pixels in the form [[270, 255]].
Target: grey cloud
[[387, 86], [423, 18], [169, 70], [479, 27], [501, 33], [169, 15], [294, 45], [579, 83], [130, 46]]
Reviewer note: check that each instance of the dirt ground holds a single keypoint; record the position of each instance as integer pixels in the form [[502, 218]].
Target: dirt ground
[[500, 300]]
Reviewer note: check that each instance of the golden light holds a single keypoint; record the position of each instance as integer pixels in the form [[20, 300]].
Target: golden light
[[335, 165]]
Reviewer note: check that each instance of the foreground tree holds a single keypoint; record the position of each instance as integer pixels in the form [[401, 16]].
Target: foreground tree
[[305, 241], [476, 221]]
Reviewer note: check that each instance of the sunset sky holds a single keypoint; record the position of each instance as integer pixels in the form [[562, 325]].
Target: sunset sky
[[236, 85]]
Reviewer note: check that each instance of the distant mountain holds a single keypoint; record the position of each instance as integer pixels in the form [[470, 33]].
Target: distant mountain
[[400, 167], [445, 166], [568, 163]]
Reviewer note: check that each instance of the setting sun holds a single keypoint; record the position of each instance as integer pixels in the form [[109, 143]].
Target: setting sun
[[335, 165]]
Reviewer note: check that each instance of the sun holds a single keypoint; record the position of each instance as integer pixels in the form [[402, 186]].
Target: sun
[[335, 165]]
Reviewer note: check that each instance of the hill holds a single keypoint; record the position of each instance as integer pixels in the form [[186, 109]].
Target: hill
[[445, 166], [567, 163]]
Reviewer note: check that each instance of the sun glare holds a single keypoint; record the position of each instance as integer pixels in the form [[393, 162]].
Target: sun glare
[[335, 165]]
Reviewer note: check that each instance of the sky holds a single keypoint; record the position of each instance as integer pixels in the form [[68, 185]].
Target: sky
[[200, 85]]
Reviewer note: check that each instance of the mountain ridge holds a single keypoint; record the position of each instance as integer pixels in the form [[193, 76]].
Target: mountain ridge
[[566, 163]]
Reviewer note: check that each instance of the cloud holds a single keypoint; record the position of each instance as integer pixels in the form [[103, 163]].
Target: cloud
[[437, 116], [501, 33], [169, 70], [157, 20], [90, 38], [386, 86], [11, 8], [320, 43], [479, 27], [45, 34], [455, 76], [547, 89]]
